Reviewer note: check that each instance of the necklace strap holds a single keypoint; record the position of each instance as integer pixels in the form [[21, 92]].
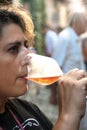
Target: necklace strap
[[16, 119]]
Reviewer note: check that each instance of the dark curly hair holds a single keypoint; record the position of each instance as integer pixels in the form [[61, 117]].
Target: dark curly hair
[[5, 2], [19, 15], [7, 17]]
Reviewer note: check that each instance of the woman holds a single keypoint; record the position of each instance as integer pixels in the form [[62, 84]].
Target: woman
[[16, 114]]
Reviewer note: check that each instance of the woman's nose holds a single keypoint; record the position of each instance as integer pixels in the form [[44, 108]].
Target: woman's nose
[[24, 50], [26, 60]]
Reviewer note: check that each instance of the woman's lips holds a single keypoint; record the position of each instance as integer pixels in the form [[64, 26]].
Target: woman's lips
[[23, 76]]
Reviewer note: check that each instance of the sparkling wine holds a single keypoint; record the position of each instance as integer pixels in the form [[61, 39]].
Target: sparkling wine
[[44, 80]]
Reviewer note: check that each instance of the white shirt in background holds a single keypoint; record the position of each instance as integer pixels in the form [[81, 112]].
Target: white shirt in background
[[68, 52], [50, 41]]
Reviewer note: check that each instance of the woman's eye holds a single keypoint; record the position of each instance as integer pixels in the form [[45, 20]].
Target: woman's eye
[[14, 49]]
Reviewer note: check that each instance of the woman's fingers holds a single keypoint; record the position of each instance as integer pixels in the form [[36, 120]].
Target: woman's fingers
[[72, 91], [77, 74]]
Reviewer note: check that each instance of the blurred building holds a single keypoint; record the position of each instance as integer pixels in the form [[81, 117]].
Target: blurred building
[[56, 11]]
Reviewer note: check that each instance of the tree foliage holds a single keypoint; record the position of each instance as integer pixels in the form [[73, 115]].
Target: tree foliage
[[37, 9]]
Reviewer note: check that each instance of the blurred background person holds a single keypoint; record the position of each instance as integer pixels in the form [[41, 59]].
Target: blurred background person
[[51, 37], [68, 52], [83, 124], [84, 48]]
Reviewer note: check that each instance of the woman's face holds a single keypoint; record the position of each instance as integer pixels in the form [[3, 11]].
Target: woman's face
[[13, 49]]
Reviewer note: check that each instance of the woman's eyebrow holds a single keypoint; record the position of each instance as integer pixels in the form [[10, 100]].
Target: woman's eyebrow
[[18, 42]]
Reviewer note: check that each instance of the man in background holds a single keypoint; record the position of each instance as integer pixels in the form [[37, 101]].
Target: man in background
[[51, 37], [68, 51]]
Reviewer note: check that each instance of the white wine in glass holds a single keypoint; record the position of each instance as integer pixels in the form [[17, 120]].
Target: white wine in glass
[[43, 70]]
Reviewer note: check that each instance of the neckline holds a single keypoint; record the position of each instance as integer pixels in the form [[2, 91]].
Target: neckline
[[3, 113], [15, 118], [9, 111]]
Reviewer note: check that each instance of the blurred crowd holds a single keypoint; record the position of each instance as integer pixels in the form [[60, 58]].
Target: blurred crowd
[[68, 47]]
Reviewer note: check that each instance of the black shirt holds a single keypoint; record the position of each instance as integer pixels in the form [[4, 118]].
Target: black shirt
[[25, 114]]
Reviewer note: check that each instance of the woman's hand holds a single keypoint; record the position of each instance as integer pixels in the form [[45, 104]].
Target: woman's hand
[[72, 89]]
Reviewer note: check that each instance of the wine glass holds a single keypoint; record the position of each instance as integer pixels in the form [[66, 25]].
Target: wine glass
[[43, 70]]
